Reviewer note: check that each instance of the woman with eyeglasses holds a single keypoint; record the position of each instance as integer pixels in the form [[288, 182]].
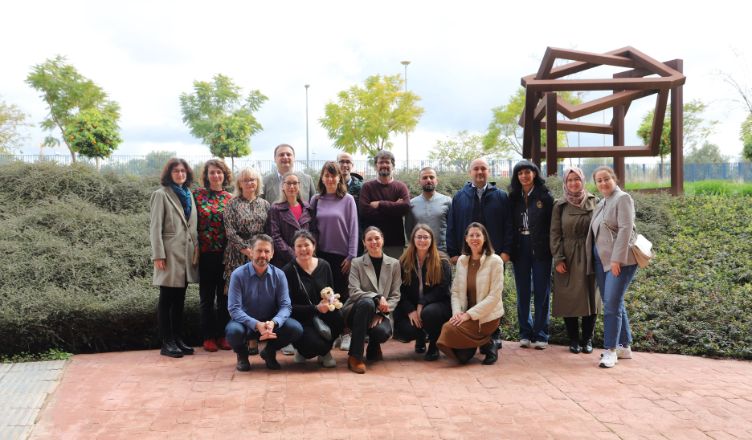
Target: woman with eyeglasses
[[424, 304], [174, 250], [287, 216]]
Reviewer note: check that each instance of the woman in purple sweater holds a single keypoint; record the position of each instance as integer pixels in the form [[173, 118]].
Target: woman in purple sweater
[[336, 225]]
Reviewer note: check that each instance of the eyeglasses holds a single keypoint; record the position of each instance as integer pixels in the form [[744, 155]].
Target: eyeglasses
[[345, 162], [179, 171], [422, 237], [292, 183], [249, 180]]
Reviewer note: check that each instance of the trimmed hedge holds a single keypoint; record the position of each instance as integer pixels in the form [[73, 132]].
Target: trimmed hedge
[[76, 272]]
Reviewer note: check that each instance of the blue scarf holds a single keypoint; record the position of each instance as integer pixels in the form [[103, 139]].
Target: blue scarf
[[184, 194]]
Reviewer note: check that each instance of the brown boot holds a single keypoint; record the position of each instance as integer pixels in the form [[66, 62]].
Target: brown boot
[[356, 365]]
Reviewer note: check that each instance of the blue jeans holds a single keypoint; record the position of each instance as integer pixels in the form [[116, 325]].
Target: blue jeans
[[238, 335], [616, 329], [532, 277]]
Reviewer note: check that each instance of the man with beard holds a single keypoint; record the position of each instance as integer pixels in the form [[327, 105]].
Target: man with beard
[[384, 202], [481, 201], [284, 158], [259, 304], [431, 207]]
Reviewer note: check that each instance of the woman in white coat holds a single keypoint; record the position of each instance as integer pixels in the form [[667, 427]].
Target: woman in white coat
[[174, 250], [476, 300]]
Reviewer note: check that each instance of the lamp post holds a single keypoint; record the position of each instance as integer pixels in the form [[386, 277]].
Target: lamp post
[[407, 149], [307, 158]]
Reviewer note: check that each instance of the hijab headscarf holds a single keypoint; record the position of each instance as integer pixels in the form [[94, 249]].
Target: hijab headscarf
[[575, 198]]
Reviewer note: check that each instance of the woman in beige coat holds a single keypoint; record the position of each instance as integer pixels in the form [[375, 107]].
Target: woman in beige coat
[[573, 288], [174, 250], [375, 280], [476, 300]]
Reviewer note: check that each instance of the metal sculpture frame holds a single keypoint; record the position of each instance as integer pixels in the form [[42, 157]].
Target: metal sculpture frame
[[645, 77]]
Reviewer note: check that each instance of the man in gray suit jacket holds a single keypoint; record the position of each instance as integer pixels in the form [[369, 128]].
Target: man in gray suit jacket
[[284, 158]]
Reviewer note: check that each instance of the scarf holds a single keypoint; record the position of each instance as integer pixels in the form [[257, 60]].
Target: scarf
[[575, 198], [184, 194]]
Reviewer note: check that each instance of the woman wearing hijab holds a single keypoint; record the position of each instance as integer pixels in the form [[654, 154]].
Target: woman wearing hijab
[[574, 295]]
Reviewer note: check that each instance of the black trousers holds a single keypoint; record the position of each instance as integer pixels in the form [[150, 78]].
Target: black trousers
[[434, 316], [340, 280], [359, 320], [170, 312], [211, 291], [588, 326], [311, 343]]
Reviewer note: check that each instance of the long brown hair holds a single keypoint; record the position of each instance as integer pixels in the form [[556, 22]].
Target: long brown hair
[[433, 259], [204, 177], [166, 177], [332, 168]]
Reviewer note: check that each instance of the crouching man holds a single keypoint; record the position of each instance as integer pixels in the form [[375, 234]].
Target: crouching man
[[259, 305]]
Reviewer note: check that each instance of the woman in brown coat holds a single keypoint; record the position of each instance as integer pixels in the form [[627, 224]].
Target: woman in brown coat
[[174, 250], [573, 288]]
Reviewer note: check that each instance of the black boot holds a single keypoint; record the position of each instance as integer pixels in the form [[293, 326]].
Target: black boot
[[420, 344], [183, 347], [491, 352], [170, 349], [464, 355], [433, 352], [270, 358], [496, 338], [243, 363], [587, 346], [574, 346]]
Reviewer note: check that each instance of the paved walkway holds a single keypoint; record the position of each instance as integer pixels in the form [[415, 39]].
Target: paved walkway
[[23, 390], [528, 394]]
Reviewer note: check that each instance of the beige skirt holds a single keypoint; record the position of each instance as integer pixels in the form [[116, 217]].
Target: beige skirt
[[465, 335]]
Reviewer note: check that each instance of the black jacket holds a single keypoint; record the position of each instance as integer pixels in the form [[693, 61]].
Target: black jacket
[[539, 206], [409, 298]]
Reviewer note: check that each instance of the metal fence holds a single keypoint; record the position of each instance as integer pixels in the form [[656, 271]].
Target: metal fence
[[151, 164]]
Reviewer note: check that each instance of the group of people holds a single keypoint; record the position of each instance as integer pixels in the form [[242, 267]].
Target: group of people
[[266, 256]]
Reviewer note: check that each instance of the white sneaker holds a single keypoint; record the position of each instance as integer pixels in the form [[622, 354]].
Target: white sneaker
[[288, 350], [623, 352], [608, 359], [298, 358], [327, 360], [337, 342], [344, 344], [541, 345], [525, 343]]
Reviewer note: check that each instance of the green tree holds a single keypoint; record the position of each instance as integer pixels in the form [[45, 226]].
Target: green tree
[[67, 93], [459, 150], [504, 135], [217, 113], [746, 138], [696, 128], [707, 153], [364, 117], [11, 120], [93, 133]]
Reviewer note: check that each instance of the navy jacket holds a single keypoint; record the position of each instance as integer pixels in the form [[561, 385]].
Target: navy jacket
[[496, 212], [539, 207]]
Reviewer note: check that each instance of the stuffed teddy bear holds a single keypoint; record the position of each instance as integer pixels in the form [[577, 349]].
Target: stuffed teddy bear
[[328, 295]]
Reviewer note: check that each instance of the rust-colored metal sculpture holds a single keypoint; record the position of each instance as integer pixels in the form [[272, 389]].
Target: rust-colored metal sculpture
[[645, 77]]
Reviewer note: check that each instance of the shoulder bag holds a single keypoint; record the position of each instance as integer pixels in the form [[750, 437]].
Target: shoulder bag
[[322, 328]]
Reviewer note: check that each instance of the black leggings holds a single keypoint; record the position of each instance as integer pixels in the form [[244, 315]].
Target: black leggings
[[434, 316], [588, 326], [212, 286], [170, 312]]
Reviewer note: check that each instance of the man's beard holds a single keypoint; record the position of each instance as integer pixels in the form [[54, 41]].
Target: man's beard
[[384, 172], [430, 187], [260, 262]]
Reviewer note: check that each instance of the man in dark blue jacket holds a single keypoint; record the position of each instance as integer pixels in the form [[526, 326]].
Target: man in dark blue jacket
[[480, 201]]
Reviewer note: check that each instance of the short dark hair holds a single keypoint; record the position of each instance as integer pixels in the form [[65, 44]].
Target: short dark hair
[[487, 246], [381, 154], [262, 237], [203, 179], [303, 233], [333, 168], [373, 228], [166, 178]]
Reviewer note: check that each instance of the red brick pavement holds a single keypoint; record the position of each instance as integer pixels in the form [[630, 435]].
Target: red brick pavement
[[527, 394]]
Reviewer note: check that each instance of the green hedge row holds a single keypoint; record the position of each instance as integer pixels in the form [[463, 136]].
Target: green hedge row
[[76, 273]]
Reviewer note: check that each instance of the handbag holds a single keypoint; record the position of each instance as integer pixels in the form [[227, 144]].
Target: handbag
[[322, 328], [642, 249]]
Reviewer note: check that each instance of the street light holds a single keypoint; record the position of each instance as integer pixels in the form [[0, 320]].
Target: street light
[[407, 150], [307, 159]]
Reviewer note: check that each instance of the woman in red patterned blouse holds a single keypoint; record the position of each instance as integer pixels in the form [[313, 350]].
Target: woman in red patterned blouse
[[211, 199]]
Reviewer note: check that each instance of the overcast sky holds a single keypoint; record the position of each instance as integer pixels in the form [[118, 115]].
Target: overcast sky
[[466, 57]]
